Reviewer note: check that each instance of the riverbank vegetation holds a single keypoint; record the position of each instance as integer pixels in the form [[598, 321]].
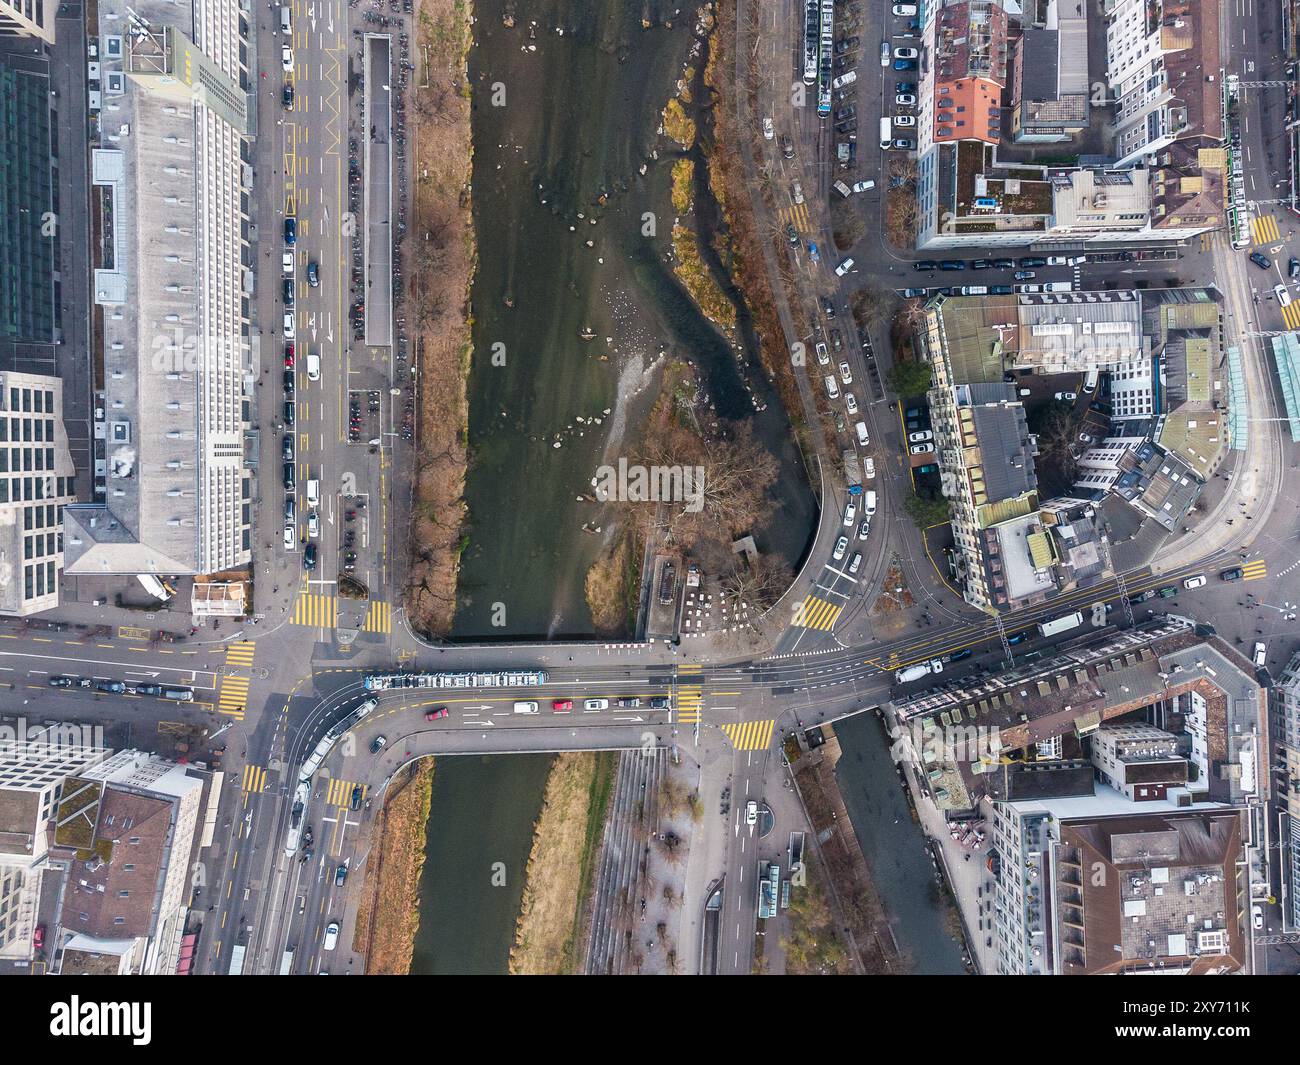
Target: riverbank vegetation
[[566, 842], [388, 914], [442, 265], [612, 585], [691, 268]]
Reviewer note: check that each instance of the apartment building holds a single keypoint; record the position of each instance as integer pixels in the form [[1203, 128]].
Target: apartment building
[[173, 283], [28, 18], [36, 485], [1286, 776], [34, 763], [1049, 82], [1139, 761]]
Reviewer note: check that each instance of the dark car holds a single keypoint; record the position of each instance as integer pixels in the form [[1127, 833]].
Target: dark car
[[787, 146], [1167, 592], [288, 383], [357, 793], [1141, 597], [341, 873], [1024, 275], [1001, 290], [659, 702], [913, 293], [828, 306], [1017, 637], [1004, 264], [1031, 262], [905, 86], [287, 449], [957, 656], [952, 264], [148, 689], [313, 274], [904, 64], [982, 264], [1233, 574], [61, 682], [288, 291], [291, 231], [846, 44], [288, 413], [116, 687], [286, 94], [1261, 260], [791, 234], [309, 556], [289, 477], [1293, 268], [378, 744], [926, 264]]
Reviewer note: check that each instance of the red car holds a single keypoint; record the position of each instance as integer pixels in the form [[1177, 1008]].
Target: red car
[[562, 706], [288, 356], [38, 937], [436, 715]]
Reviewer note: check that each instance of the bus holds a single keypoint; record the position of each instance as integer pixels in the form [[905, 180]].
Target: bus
[[286, 962], [1061, 624], [237, 961]]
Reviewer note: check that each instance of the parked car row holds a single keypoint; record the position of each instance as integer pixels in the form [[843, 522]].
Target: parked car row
[[121, 687]]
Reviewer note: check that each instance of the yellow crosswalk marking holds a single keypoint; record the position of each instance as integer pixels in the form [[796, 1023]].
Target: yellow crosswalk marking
[[241, 653], [232, 697], [750, 735], [797, 215], [339, 793], [1291, 315], [254, 779], [1263, 230], [690, 698], [1255, 570], [814, 613], [315, 610], [379, 618]]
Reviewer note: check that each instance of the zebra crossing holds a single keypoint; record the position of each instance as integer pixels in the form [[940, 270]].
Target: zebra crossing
[[379, 618], [1263, 230], [750, 735], [241, 653], [1254, 570], [690, 693], [232, 697], [338, 792], [814, 613], [797, 216], [316, 610], [254, 782], [1291, 315]]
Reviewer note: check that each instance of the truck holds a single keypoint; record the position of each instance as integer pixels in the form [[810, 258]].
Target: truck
[[842, 189], [154, 586], [1061, 624], [922, 669], [852, 472]]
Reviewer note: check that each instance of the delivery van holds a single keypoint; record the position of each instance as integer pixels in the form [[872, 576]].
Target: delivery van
[[313, 492], [886, 132], [526, 707], [313, 367]]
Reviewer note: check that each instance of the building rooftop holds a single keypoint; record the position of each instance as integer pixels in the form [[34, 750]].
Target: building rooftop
[[1101, 199], [1007, 449], [1075, 331]]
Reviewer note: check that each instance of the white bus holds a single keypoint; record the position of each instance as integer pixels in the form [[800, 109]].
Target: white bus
[[1061, 624]]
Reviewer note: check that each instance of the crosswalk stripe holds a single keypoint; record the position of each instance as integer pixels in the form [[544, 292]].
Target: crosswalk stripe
[[1291, 315], [750, 735], [379, 618], [1264, 229], [254, 779], [339, 792], [1254, 571], [315, 610], [241, 654], [814, 613]]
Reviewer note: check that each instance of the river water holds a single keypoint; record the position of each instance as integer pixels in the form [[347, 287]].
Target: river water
[[894, 847]]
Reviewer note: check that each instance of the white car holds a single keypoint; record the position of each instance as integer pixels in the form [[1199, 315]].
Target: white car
[[920, 437], [331, 936], [905, 120], [751, 813], [289, 331], [796, 191], [921, 449], [313, 523], [1259, 655], [846, 374], [823, 354], [863, 186], [905, 53], [869, 468], [1057, 260], [850, 512], [851, 402], [595, 704], [1257, 917], [864, 528], [855, 563], [905, 10], [861, 429], [290, 537], [841, 545], [884, 53], [286, 58], [1283, 296], [844, 268], [1195, 582], [905, 99], [286, 262], [1067, 396], [768, 131]]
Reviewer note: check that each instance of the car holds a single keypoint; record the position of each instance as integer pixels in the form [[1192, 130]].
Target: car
[[289, 412], [1086, 438], [289, 327], [904, 120], [769, 131], [436, 715], [290, 537], [926, 265], [860, 428], [844, 267], [884, 53], [288, 355], [914, 293], [921, 437], [287, 291], [1057, 260], [921, 449], [355, 799], [1234, 574], [1067, 397], [1029, 288], [905, 86], [905, 53], [1167, 592], [1001, 290], [38, 937], [1259, 655], [813, 254], [286, 95], [957, 656], [847, 44], [561, 706], [850, 511], [904, 144], [286, 58], [823, 354], [287, 447], [1283, 296], [291, 231], [982, 264], [791, 234], [1257, 917], [377, 744], [863, 186], [1004, 264], [850, 402], [751, 812], [837, 340], [1195, 582], [952, 264], [1141, 597], [1261, 260], [787, 146], [828, 307], [660, 702], [309, 557], [113, 687], [331, 936], [855, 563], [904, 64], [841, 545], [904, 99], [796, 191], [1031, 261], [1023, 275], [287, 379], [313, 523], [1017, 637], [313, 274], [846, 373], [1293, 268], [592, 705], [864, 528], [869, 468], [627, 702], [341, 874], [61, 682]]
